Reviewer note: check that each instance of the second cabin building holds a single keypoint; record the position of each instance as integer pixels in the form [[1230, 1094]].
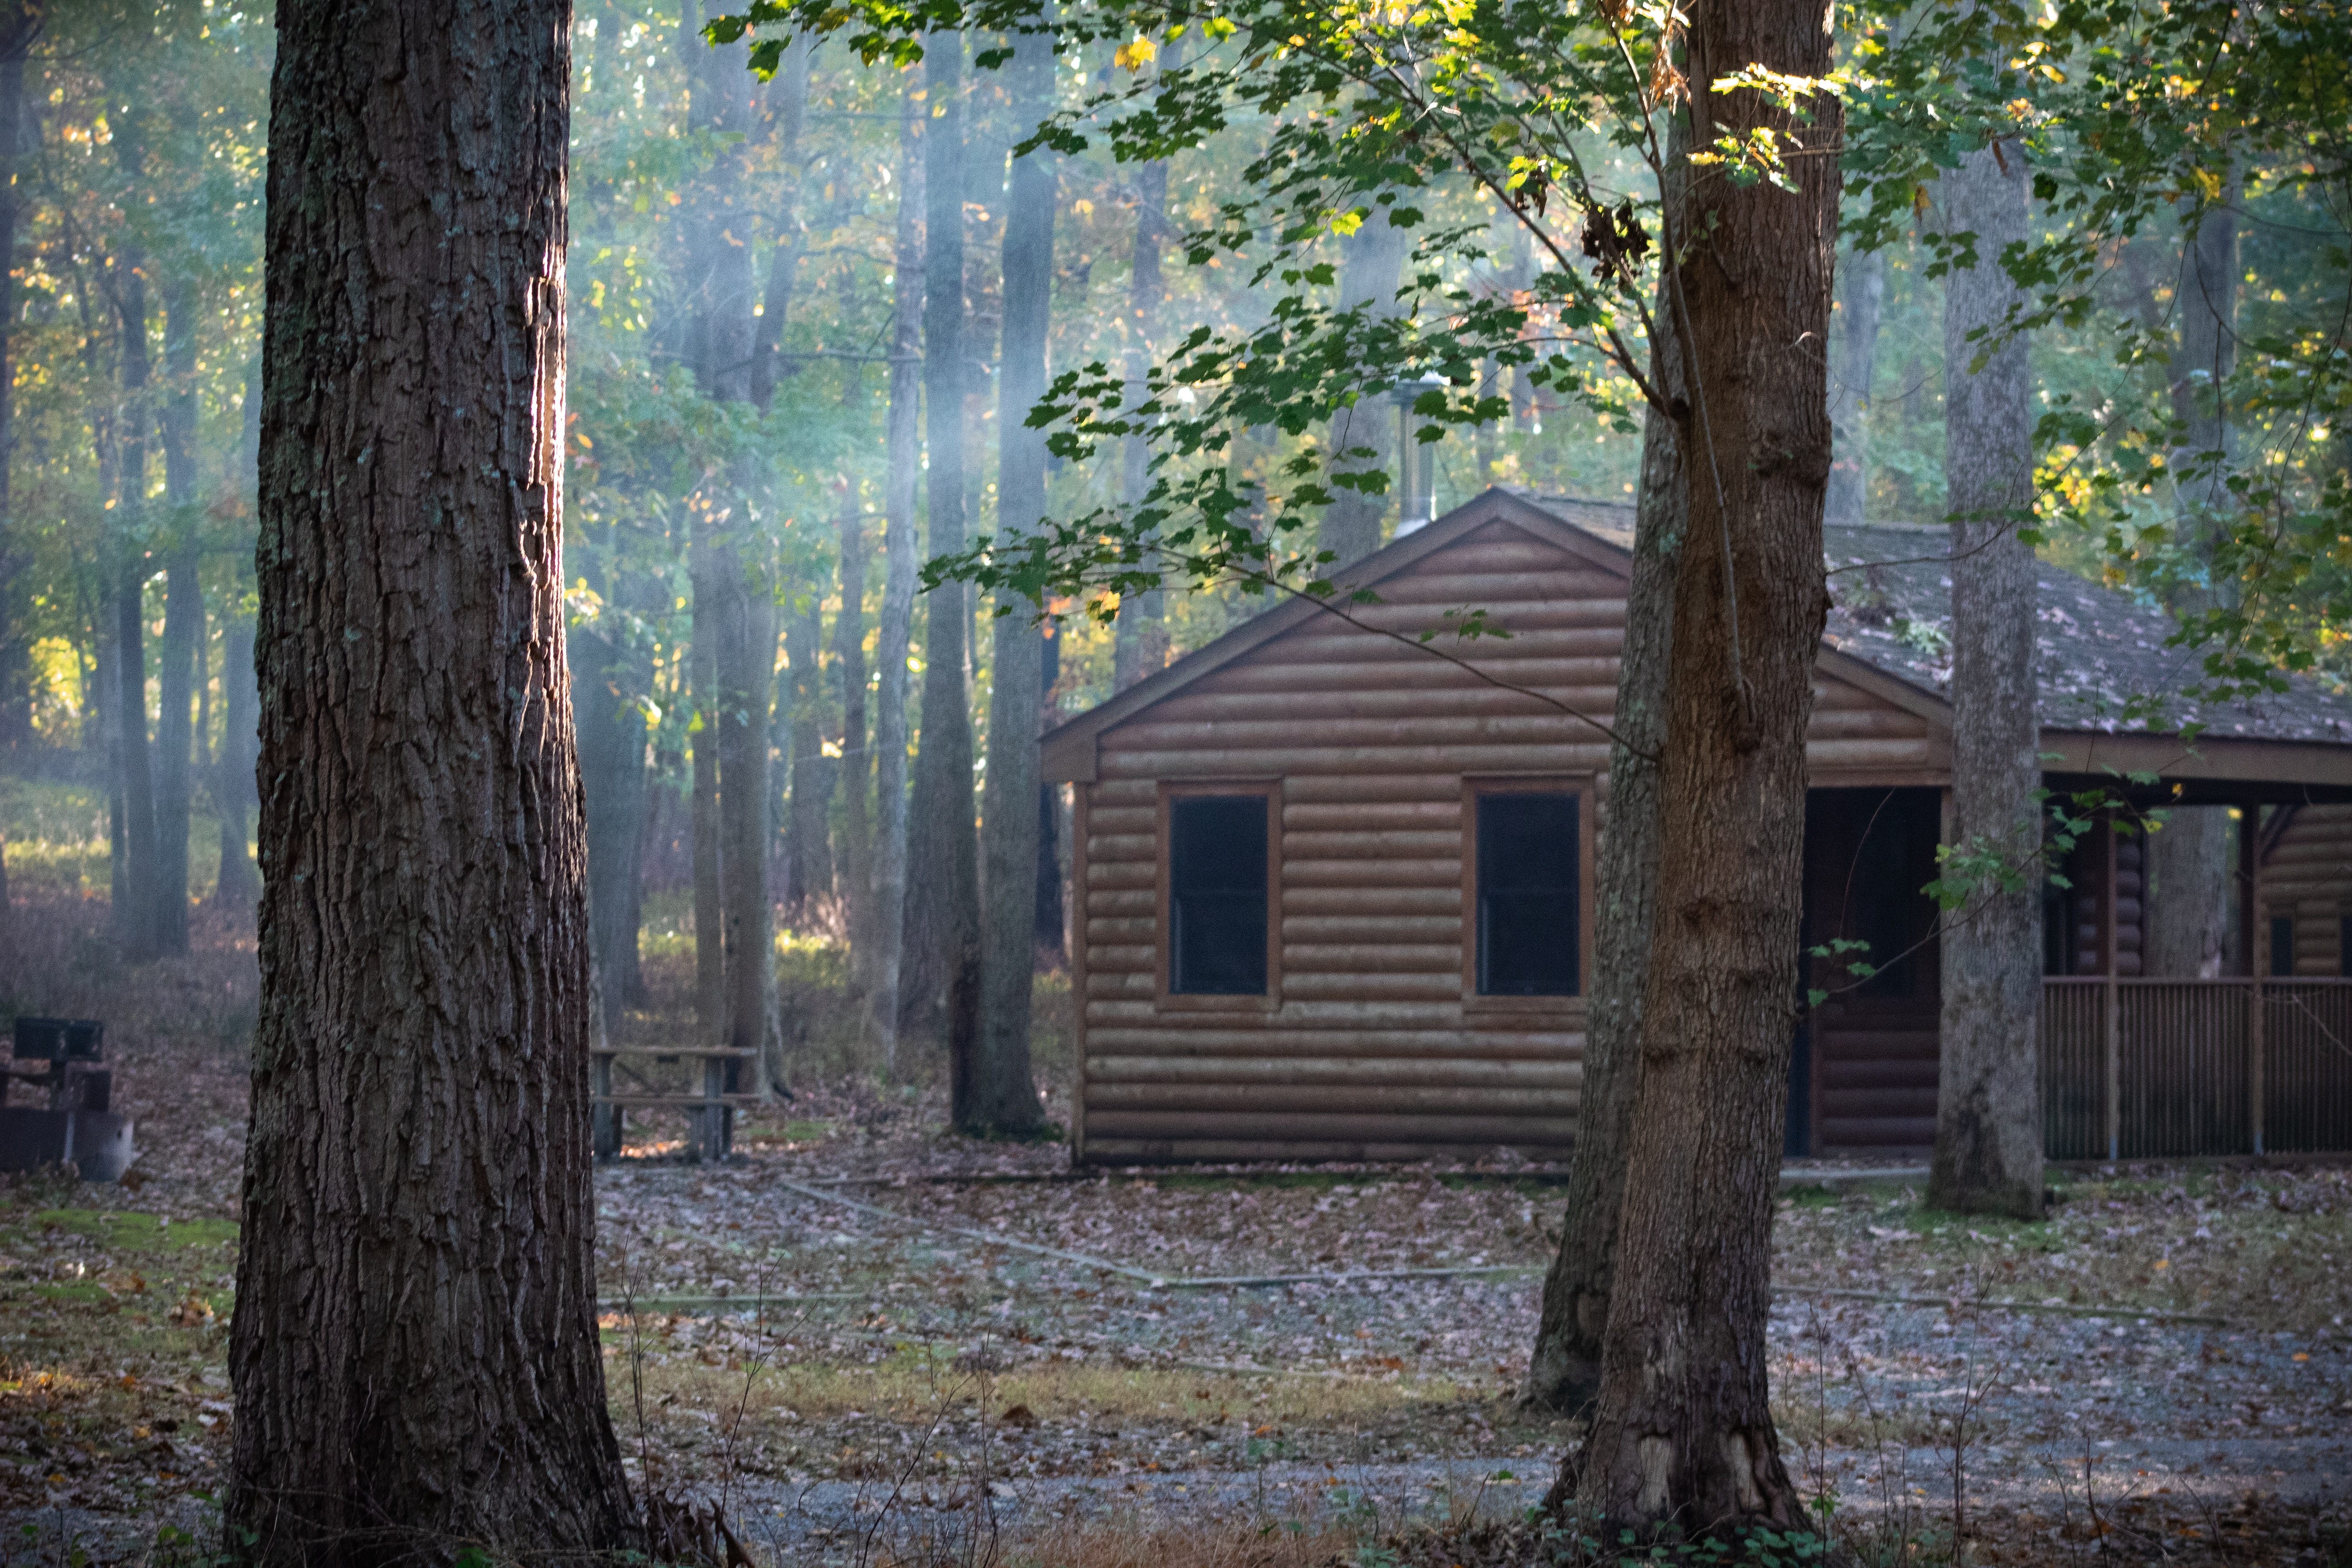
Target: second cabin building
[[1334, 896]]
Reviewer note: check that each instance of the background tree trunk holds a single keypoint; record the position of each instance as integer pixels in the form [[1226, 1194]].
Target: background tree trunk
[[854, 873], [1683, 1431], [808, 848], [180, 670], [19, 23], [896, 630], [239, 886], [747, 660], [135, 898], [710, 909], [1139, 636], [608, 678], [1372, 262], [2192, 864], [1864, 295], [940, 968], [1003, 1094], [418, 1194], [1564, 1369], [1987, 1155]]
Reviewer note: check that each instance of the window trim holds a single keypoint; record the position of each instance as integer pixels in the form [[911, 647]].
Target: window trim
[[1163, 925], [1584, 788]]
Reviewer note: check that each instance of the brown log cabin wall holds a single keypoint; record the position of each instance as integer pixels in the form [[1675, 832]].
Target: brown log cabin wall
[[1372, 1049], [2307, 876]]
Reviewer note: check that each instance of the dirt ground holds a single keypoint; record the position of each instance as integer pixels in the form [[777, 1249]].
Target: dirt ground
[[868, 1341]]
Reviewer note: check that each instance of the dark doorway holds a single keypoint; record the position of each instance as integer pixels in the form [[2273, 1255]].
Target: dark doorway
[[1864, 1073]]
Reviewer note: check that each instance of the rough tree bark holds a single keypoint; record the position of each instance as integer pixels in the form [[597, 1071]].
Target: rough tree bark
[[710, 909], [1003, 1097], [895, 631], [1987, 1156], [2191, 863], [1865, 295], [414, 1350], [178, 673], [855, 871], [1683, 1430], [1373, 262], [134, 899], [940, 967], [1564, 1369]]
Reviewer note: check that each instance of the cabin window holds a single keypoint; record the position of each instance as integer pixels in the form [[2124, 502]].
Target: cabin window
[[2282, 945], [1529, 895], [2344, 946], [1217, 886]]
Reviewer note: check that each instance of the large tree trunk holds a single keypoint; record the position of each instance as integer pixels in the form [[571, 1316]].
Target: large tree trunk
[[1564, 1369], [1373, 263], [1139, 636], [896, 630], [709, 907], [135, 900], [940, 968], [183, 622], [1988, 1099], [1683, 1430], [414, 1349], [1002, 1096], [2190, 864], [747, 664], [1051, 919], [1865, 294]]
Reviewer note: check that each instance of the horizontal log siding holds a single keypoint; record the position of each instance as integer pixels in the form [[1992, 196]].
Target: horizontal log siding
[[1371, 1053], [2308, 875]]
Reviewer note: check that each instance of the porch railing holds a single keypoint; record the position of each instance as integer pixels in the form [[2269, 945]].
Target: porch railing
[[2160, 1069]]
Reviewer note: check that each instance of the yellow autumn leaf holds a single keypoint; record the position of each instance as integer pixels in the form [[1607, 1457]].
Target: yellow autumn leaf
[[1135, 54]]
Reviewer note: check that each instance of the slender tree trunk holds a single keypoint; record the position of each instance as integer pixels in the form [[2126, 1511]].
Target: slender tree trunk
[[183, 621], [2190, 863], [940, 967], [414, 1350], [896, 631], [1857, 364], [19, 23], [746, 656], [1051, 917], [135, 904], [1003, 1093], [808, 847], [1139, 636], [854, 871], [1683, 1430], [608, 680], [1564, 1369], [1373, 263], [710, 909], [1988, 1099], [234, 789], [788, 105], [239, 886]]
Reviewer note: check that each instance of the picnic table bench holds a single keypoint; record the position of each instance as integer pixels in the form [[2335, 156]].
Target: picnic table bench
[[710, 1108]]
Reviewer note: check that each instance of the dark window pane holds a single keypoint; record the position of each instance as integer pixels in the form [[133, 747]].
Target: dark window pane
[[1217, 873], [2344, 945], [2282, 945], [1528, 903]]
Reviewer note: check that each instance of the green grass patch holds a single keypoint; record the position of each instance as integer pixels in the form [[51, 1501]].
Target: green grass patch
[[127, 1230]]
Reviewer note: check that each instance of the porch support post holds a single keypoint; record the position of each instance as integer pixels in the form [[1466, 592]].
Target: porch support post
[[2113, 1012], [2250, 924]]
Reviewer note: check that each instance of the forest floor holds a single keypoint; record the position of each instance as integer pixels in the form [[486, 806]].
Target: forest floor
[[870, 1341]]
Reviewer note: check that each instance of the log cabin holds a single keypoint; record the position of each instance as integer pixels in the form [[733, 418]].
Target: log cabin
[[1333, 894]]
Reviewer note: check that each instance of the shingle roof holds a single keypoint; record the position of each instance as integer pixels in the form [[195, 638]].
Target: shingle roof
[[1891, 587]]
